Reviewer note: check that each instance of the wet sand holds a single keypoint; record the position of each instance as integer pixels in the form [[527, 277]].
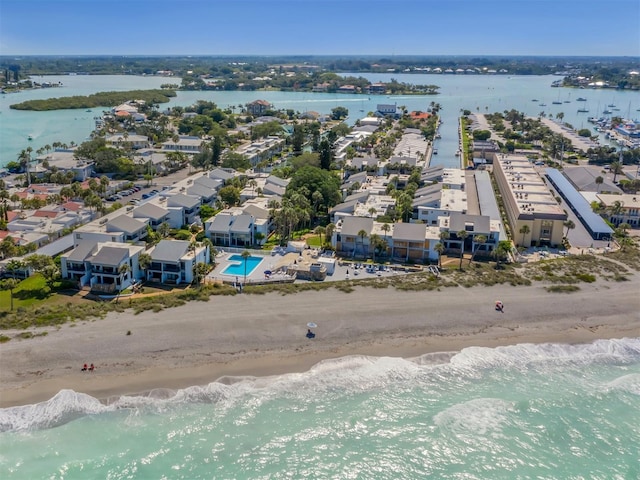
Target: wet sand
[[258, 335]]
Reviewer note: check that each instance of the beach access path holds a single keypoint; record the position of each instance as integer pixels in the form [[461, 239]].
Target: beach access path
[[265, 334]]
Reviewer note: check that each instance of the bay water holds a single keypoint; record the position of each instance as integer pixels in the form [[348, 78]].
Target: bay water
[[547, 411], [477, 93]]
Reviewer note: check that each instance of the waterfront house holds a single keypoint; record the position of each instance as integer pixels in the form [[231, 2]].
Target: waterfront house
[[410, 243], [622, 208], [231, 228], [258, 107], [105, 267], [378, 88], [348, 238], [174, 261]]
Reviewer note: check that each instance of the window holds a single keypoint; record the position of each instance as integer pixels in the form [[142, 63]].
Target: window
[[546, 229]]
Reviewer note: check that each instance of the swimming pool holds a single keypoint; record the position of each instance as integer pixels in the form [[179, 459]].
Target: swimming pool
[[237, 268]]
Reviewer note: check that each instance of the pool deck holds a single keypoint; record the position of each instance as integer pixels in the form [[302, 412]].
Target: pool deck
[[278, 263]]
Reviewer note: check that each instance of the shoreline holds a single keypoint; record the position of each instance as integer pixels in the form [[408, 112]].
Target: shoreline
[[264, 335]]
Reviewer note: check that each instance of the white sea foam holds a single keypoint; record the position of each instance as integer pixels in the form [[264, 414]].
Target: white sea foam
[[627, 383], [64, 407], [480, 416], [357, 373]]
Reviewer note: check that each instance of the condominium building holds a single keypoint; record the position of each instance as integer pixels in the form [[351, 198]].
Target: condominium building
[[528, 202]]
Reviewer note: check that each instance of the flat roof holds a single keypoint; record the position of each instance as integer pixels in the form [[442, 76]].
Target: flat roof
[[592, 221], [530, 194]]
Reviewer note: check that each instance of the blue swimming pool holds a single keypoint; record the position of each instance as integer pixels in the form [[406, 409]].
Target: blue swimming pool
[[237, 267]]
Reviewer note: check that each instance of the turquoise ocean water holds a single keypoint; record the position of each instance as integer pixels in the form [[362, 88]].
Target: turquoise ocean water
[[483, 93], [548, 411]]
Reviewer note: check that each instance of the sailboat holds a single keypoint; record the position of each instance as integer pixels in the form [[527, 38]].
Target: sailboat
[[583, 109], [557, 102]]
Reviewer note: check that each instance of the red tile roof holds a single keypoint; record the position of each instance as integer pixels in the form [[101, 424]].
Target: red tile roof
[[45, 213]]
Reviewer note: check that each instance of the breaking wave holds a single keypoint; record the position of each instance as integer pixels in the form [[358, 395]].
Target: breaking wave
[[351, 374]]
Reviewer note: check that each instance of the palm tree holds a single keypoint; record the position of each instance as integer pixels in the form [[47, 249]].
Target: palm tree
[[616, 208], [570, 226], [616, 169], [524, 230], [440, 248], [372, 211], [253, 184], [200, 271], [245, 256], [625, 242], [362, 234], [9, 284], [329, 230], [462, 236], [144, 261], [319, 230], [123, 270], [599, 181], [503, 248], [479, 240], [163, 229], [375, 242], [385, 228]]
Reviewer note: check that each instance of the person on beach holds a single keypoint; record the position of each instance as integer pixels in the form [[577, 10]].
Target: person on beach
[[310, 334], [91, 368], [84, 368]]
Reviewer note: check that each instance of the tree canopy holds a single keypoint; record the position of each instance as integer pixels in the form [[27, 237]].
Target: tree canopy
[[310, 179]]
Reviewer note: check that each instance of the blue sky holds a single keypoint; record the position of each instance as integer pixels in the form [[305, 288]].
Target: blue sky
[[343, 27]]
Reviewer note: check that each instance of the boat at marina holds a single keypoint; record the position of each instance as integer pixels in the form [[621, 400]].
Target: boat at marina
[[581, 99], [583, 109], [543, 105], [30, 137], [606, 111]]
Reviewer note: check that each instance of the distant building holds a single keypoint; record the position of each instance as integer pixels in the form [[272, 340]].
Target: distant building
[[258, 107], [378, 88]]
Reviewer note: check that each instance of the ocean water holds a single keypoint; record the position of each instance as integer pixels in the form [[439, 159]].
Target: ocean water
[[548, 411], [478, 93]]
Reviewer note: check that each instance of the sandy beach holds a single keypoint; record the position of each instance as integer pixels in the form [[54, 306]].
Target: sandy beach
[[258, 335]]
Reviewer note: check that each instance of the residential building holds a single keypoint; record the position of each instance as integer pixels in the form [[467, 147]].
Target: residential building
[[414, 242], [183, 209], [117, 226], [133, 141], [622, 208], [528, 202], [231, 229], [106, 267], [258, 107], [185, 144], [378, 88], [348, 236], [174, 261]]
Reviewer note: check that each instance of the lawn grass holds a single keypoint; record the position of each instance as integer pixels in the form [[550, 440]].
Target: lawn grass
[[33, 291], [314, 241]]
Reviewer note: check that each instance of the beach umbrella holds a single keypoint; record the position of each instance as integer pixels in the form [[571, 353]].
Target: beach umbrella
[[312, 325]]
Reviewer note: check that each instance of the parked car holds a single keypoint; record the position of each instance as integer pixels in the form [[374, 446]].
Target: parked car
[[145, 196]]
